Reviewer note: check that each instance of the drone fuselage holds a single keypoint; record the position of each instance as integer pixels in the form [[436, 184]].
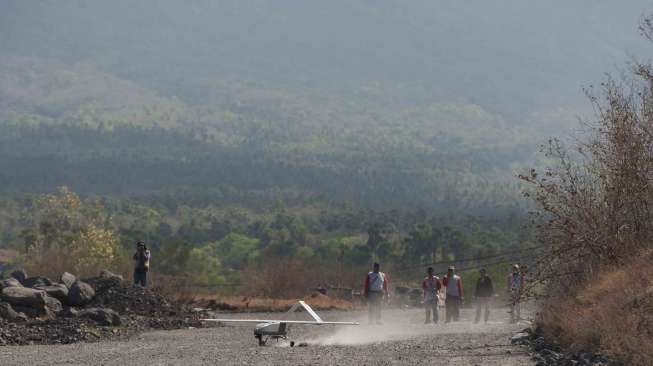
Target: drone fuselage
[[270, 329]]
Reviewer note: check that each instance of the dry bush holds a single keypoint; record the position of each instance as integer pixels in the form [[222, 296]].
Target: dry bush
[[66, 233], [285, 278], [50, 262], [596, 201], [258, 304], [172, 287], [612, 313]]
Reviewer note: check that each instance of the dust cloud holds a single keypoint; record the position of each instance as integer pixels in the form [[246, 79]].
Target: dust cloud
[[402, 325]]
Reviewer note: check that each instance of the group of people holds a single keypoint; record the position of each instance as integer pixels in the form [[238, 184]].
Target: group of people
[[451, 286], [377, 285]]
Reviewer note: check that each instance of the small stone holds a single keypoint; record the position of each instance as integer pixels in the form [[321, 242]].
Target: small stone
[[520, 338], [106, 317], [106, 274]]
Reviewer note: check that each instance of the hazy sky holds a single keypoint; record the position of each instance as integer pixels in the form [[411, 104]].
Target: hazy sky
[[510, 56]]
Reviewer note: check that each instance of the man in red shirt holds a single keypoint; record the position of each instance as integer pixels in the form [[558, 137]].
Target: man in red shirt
[[375, 290]]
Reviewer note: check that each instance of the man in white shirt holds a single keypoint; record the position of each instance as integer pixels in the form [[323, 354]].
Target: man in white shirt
[[431, 287], [375, 291], [454, 291]]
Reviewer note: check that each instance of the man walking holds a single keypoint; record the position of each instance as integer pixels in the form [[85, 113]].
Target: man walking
[[431, 287], [454, 291], [375, 291], [141, 264], [483, 294], [515, 289]]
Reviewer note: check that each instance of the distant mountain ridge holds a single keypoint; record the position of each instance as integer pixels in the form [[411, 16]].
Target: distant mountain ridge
[[381, 103]]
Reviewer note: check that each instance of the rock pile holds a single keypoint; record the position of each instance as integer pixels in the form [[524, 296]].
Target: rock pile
[[547, 353], [24, 297], [37, 310]]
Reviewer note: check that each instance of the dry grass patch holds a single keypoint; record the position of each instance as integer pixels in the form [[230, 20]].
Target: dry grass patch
[[612, 314], [262, 304], [7, 255]]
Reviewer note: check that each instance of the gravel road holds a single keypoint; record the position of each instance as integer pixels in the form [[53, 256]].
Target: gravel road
[[403, 339]]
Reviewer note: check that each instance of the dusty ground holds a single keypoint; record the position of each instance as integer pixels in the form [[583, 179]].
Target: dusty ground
[[402, 340]]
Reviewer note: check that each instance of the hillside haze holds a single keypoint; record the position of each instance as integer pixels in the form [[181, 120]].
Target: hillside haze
[[381, 103]]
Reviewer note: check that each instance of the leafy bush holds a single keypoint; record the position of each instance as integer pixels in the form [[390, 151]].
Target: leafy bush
[[63, 235]]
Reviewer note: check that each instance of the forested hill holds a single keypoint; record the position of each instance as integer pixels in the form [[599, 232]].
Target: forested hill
[[99, 134], [381, 103]]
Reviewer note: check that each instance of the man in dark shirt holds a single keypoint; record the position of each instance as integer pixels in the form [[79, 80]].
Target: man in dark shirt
[[483, 294]]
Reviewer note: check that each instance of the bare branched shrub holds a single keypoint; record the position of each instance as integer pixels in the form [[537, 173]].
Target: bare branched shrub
[[595, 200]]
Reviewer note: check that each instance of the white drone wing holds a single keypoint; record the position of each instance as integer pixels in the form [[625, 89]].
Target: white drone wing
[[317, 321], [277, 321]]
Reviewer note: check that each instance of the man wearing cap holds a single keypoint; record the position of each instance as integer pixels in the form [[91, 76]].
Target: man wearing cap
[[515, 288], [431, 287], [483, 294], [454, 291], [141, 264], [375, 290]]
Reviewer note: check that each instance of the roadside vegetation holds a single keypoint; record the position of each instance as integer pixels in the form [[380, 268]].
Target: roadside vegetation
[[596, 202], [230, 249]]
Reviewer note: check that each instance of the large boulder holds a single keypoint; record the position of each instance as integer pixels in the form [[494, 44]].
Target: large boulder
[[33, 282], [10, 282], [7, 312], [52, 305], [102, 316], [50, 308], [58, 291], [68, 279], [108, 275], [20, 275], [80, 293], [23, 296]]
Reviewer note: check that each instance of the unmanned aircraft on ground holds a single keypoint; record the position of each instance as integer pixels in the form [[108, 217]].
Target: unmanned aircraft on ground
[[278, 329]]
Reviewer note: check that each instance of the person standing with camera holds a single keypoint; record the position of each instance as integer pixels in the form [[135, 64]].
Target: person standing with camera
[[141, 264]]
